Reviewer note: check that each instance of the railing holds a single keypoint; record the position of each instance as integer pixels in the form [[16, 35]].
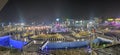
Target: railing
[[44, 44], [113, 39], [28, 44], [105, 39]]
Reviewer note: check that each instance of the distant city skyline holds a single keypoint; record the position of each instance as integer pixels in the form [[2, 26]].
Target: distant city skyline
[[49, 10]]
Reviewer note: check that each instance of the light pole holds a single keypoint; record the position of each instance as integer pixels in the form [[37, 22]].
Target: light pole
[[91, 41]]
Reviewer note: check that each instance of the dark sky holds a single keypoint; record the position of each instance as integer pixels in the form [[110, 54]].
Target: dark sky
[[49, 10]]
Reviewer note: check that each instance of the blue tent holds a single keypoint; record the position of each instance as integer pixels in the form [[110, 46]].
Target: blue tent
[[16, 44], [76, 44], [64, 45], [6, 41]]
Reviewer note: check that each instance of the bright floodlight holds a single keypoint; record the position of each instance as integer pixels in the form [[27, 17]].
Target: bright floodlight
[[90, 22], [22, 23], [76, 21], [78, 40], [34, 42], [82, 39], [57, 19], [25, 39]]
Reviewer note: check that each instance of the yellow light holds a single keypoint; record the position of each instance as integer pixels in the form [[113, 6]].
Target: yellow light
[[110, 19]]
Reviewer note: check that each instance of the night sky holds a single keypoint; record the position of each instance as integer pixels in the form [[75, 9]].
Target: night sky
[[49, 10]]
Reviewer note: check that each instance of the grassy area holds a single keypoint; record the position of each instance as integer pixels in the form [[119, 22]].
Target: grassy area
[[9, 51], [47, 36], [15, 52], [4, 49], [80, 34]]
